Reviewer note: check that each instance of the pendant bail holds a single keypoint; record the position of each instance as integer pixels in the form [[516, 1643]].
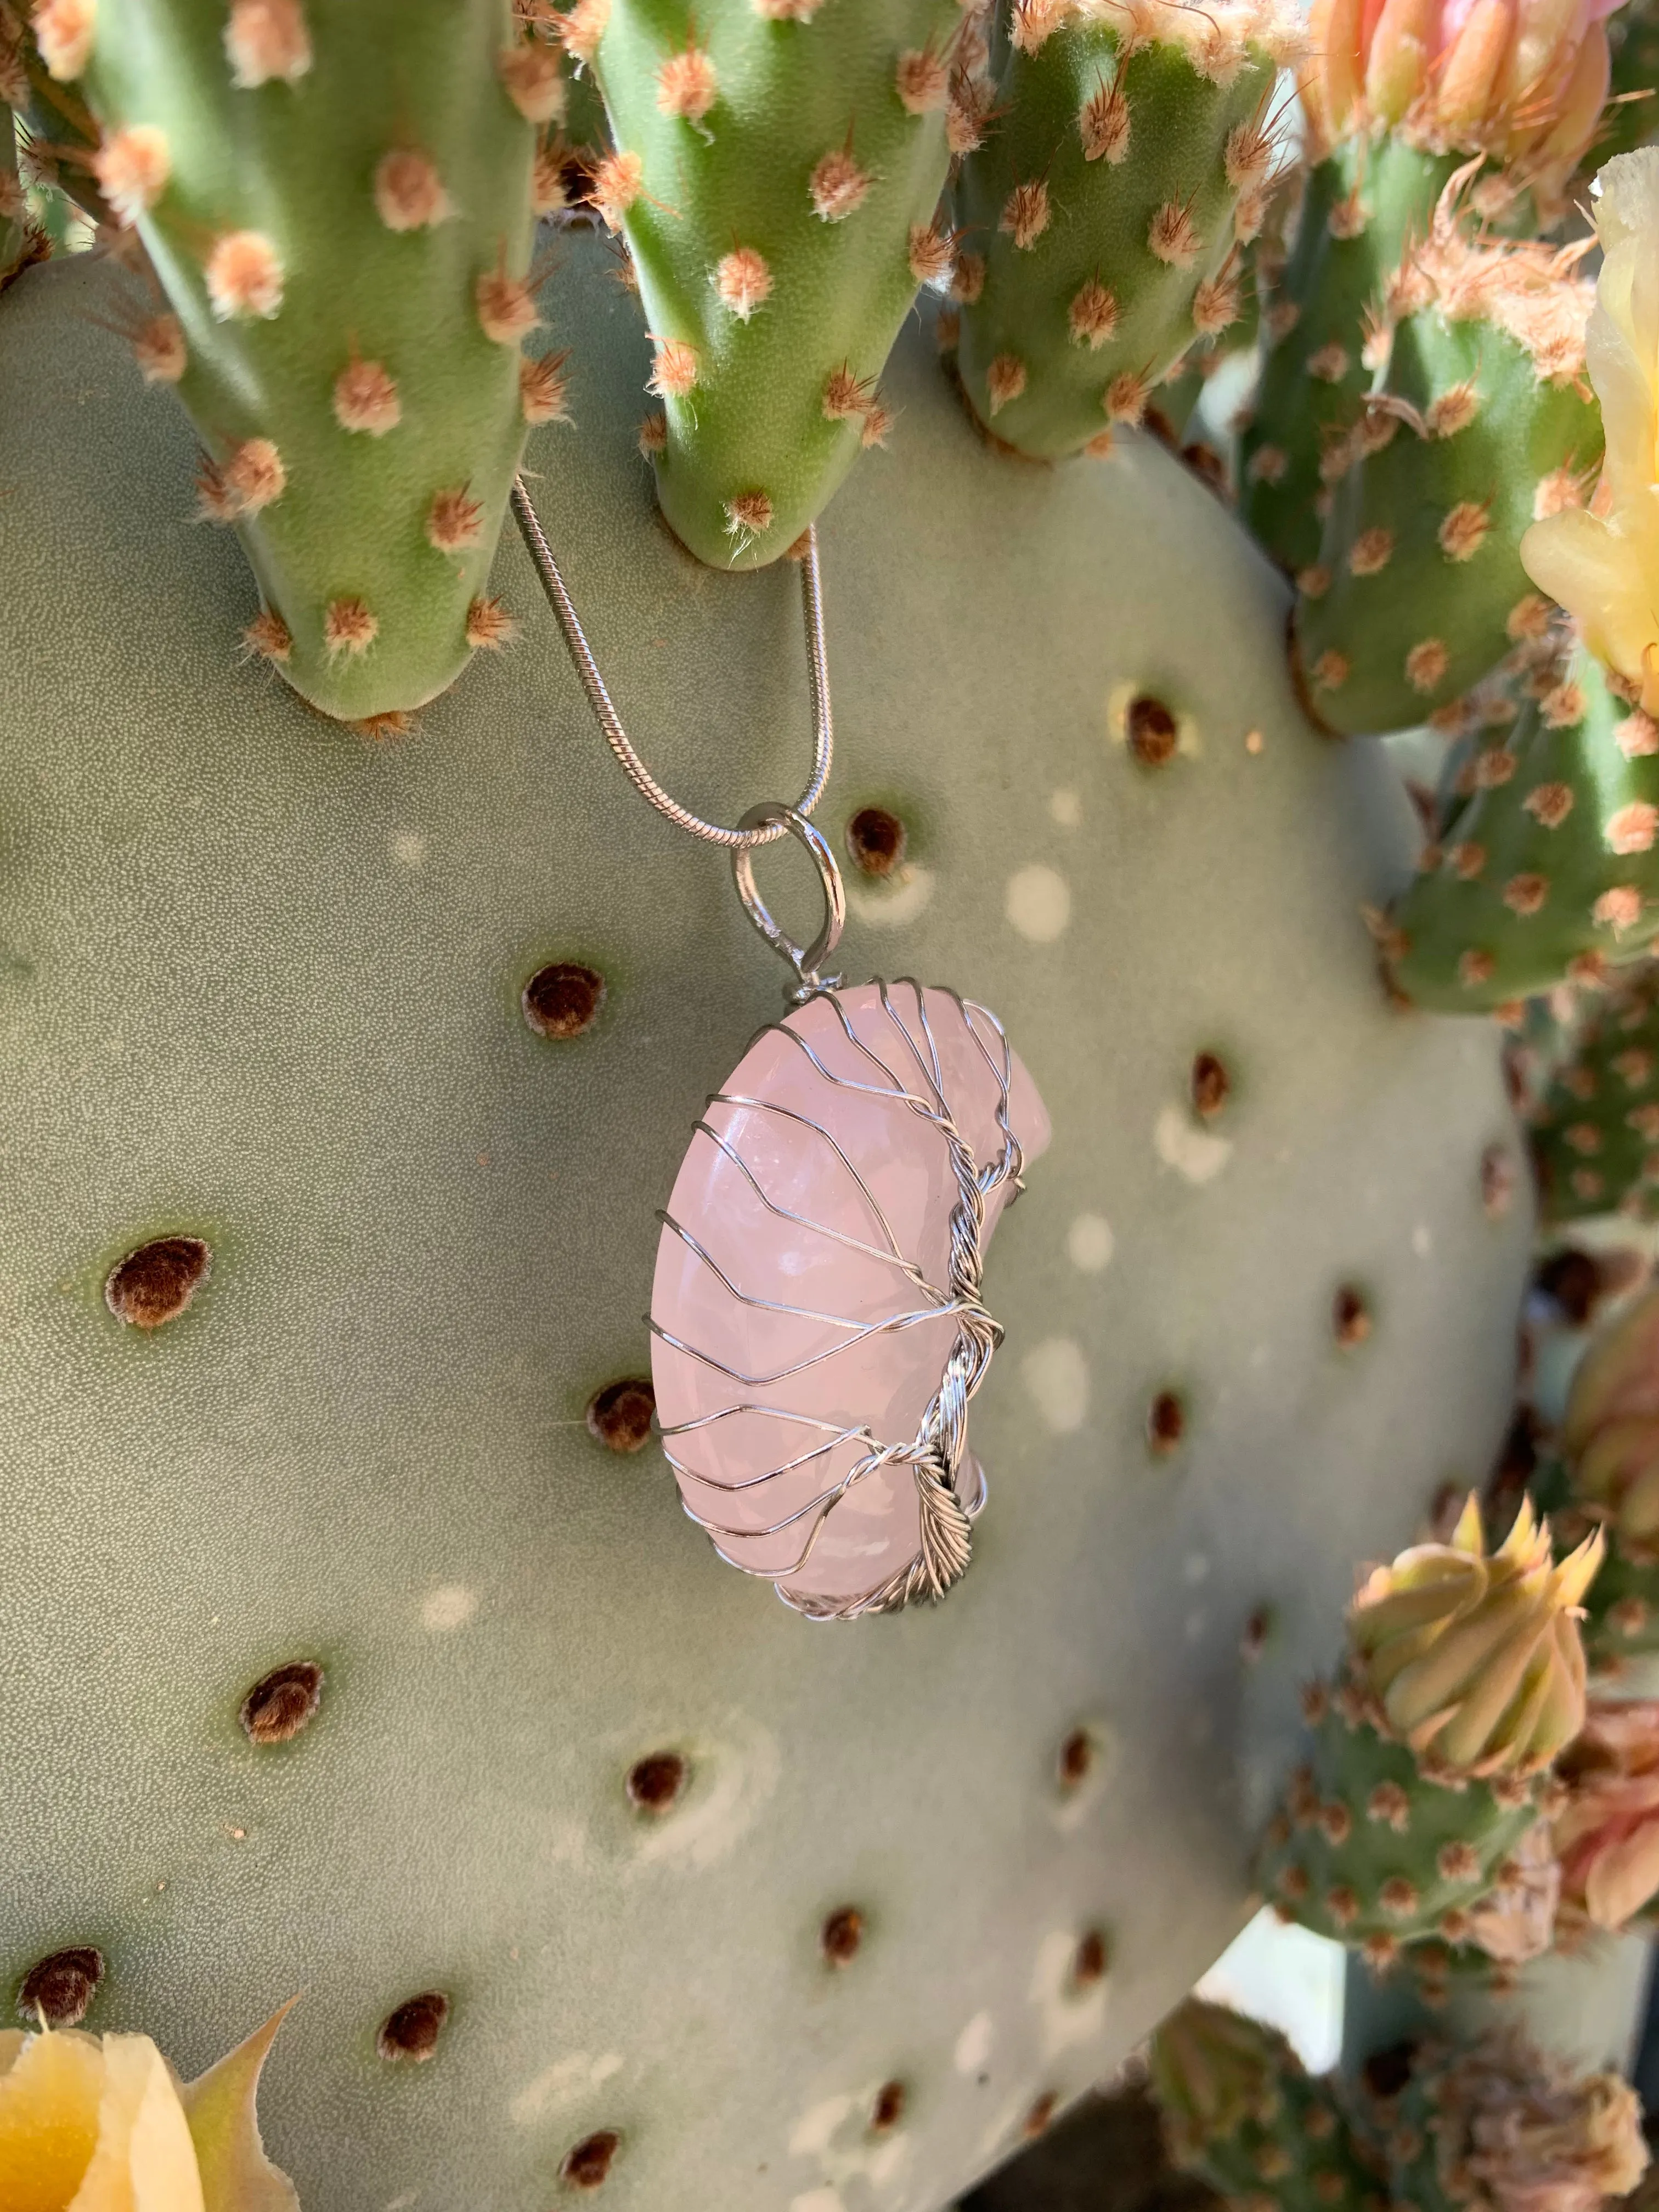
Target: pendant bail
[[805, 960]]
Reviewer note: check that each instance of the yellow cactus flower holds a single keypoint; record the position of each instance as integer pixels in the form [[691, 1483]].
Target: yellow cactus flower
[[1603, 565], [1475, 1660], [93, 2123], [100, 2123]]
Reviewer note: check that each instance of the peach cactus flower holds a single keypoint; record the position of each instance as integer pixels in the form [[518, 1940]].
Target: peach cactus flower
[[1607, 1836], [1603, 567], [101, 2123], [1518, 2127], [1523, 80]]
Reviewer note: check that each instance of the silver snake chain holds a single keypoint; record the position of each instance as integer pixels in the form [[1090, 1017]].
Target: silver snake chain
[[745, 837]]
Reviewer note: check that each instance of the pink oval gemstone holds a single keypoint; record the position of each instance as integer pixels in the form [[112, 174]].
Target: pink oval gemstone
[[801, 1306]]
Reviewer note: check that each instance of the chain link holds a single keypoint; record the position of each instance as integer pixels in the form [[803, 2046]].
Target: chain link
[[739, 840]]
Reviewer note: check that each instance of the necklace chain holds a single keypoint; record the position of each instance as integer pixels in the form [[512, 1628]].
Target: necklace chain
[[742, 839]]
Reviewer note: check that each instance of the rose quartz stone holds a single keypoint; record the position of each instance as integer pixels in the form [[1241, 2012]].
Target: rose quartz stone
[[819, 1296]]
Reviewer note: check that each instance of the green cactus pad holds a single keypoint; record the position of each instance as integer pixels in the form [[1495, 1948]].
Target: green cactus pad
[[1480, 421], [1371, 1851], [1549, 871], [343, 247], [777, 173], [698, 1881], [1106, 212], [1360, 208], [1596, 1131], [1242, 2114]]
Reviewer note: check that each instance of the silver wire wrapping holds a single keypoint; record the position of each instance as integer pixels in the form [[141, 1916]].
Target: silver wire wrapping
[[910, 1075]]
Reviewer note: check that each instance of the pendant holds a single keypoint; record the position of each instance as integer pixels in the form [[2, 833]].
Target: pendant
[[817, 1326]]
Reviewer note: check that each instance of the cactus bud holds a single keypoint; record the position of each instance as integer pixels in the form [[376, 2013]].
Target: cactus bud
[[1475, 1661]]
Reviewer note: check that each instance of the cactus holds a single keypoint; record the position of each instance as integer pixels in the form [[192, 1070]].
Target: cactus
[[1361, 206], [1106, 209], [1607, 1831], [344, 250], [1601, 566], [1476, 425], [776, 175], [1605, 1474], [1500, 2126], [100, 2123], [326, 1561], [1464, 1677], [1241, 2112], [1596, 1130], [1545, 874]]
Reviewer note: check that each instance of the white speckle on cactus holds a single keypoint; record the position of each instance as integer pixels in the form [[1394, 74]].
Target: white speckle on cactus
[[1067, 2015], [818, 2200], [1195, 1569], [733, 1779], [451, 1605], [1422, 1240], [1056, 1378], [1038, 902], [1090, 1244], [1197, 1154], [567, 2081], [1194, 1625], [409, 848], [899, 898], [972, 2046], [1066, 807], [813, 2133]]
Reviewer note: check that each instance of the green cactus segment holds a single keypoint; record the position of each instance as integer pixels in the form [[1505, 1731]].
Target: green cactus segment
[[1498, 2125], [343, 247], [1242, 2114], [1105, 214], [1480, 423], [1548, 872], [1368, 1850], [1361, 207], [1596, 1131], [777, 176]]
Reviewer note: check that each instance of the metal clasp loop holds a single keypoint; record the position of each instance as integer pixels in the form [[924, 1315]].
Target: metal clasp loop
[[805, 960]]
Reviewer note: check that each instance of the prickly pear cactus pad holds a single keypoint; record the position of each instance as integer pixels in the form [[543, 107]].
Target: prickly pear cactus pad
[[1596, 1131], [1545, 873], [1241, 2112], [776, 174], [343, 247], [351, 1649], [1359, 206], [1481, 421], [1123, 168]]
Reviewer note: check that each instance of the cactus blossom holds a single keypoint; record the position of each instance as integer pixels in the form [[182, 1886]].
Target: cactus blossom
[[100, 2123], [1514, 2130], [1607, 1836], [1603, 566], [1475, 1660], [1523, 80]]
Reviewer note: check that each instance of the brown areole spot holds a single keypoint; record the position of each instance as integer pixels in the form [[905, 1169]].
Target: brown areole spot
[[563, 999], [285, 1701], [620, 1415], [411, 2031], [155, 1283], [58, 1988]]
